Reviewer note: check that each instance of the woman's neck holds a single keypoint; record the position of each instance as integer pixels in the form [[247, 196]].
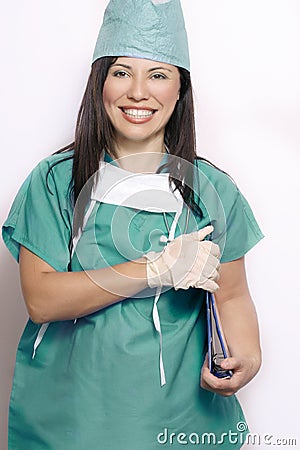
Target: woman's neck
[[138, 156]]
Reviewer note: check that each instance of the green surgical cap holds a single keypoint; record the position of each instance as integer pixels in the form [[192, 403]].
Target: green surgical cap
[[150, 29]]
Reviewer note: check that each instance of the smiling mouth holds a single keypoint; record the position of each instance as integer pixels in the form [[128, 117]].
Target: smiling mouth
[[138, 113]]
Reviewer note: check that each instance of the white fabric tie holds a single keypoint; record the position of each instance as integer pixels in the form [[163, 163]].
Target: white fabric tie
[[155, 314], [39, 337]]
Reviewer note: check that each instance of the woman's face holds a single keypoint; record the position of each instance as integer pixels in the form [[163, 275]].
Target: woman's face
[[139, 96]]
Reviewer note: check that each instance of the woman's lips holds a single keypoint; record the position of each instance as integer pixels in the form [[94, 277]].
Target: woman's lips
[[137, 115]]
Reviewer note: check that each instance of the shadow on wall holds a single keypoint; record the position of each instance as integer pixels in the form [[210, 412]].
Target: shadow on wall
[[13, 316]]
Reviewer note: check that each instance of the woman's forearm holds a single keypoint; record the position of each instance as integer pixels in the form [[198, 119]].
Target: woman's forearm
[[237, 312], [52, 296], [240, 326]]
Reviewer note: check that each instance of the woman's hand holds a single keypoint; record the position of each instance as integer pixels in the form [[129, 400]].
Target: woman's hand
[[187, 261], [244, 369]]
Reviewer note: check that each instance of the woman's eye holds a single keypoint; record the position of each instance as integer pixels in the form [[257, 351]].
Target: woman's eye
[[120, 74], [159, 76]]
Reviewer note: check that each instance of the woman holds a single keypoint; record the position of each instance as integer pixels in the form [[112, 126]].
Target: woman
[[110, 280]]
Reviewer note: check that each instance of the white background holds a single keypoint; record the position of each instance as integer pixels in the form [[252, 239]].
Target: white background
[[246, 72]]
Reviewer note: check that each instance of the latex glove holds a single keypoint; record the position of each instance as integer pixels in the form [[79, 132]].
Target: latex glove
[[187, 261]]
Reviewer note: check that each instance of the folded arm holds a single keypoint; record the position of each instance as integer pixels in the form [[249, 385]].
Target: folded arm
[[51, 296]]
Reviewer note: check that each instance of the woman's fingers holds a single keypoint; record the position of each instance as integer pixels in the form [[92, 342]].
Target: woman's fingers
[[208, 275], [201, 234], [186, 262], [228, 386], [207, 285]]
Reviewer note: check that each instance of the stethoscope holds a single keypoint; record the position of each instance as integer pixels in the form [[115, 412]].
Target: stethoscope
[[164, 238]]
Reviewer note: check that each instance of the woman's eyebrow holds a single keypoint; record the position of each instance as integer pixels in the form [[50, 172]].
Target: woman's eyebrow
[[160, 68], [150, 70], [122, 65]]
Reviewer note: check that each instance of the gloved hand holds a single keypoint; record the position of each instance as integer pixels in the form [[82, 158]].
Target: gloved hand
[[187, 261]]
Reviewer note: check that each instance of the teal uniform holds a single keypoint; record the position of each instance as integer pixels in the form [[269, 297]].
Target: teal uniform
[[94, 383]]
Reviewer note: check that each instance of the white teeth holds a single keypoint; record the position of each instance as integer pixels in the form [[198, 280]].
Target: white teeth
[[138, 113]]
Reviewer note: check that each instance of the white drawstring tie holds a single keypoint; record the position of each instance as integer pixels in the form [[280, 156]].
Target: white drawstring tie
[[155, 313], [39, 337]]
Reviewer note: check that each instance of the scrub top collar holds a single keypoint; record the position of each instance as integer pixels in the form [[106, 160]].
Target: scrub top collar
[[108, 159]]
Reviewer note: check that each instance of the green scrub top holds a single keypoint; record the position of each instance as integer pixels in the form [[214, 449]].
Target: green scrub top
[[94, 383]]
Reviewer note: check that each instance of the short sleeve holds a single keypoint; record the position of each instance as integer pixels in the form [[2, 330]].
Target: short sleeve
[[242, 229], [236, 230], [40, 217]]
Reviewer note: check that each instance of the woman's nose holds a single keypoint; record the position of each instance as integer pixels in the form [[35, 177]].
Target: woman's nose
[[138, 89]]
